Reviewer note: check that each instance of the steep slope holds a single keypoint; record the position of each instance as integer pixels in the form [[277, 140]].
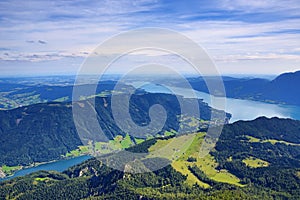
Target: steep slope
[[277, 180], [44, 132], [36, 133]]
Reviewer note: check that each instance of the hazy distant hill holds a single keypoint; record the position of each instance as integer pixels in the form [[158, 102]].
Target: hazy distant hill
[[16, 92], [13, 95], [283, 89]]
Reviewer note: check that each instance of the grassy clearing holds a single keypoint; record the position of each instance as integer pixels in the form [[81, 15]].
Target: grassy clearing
[[38, 180], [225, 177], [169, 133], [43, 179], [173, 148], [253, 139], [62, 99], [9, 170], [126, 142], [74, 153], [138, 140], [84, 149], [229, 159], [193, 150], [190, 122], [298, 174], [272, 141], [179, 149], [255, 162], [120, 142], [182, 167], [104, 147], [176, 149], [208, 165]]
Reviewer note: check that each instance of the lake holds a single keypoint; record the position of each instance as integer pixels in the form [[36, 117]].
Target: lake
[[240, 109], [60, 166]]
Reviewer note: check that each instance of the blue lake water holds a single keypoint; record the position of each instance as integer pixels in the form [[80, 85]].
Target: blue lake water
[[240, 109], [60, 166]]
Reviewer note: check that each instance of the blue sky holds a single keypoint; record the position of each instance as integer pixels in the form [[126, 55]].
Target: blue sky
[[242, 37]]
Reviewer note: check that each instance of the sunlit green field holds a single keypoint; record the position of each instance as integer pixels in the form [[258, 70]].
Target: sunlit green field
[[179, 149], [255, 162], [272, 141]]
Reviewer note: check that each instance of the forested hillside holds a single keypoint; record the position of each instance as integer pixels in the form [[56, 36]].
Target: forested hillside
[[257, 159], [45, 132]]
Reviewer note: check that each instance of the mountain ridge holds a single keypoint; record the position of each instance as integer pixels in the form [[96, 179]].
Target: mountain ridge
[[44, 132], [283, 89]]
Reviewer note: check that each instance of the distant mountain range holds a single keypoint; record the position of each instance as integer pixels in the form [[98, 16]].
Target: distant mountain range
[[13, 95], [283, 89], [17, 92]]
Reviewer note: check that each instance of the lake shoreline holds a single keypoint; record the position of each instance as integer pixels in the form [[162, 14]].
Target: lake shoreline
[[41, 164], [240, 109]]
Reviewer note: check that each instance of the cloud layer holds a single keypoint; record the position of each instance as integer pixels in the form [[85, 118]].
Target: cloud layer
[[241, 36]]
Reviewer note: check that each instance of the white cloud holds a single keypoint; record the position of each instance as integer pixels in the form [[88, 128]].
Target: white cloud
[[262, 6], [75, 28]]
